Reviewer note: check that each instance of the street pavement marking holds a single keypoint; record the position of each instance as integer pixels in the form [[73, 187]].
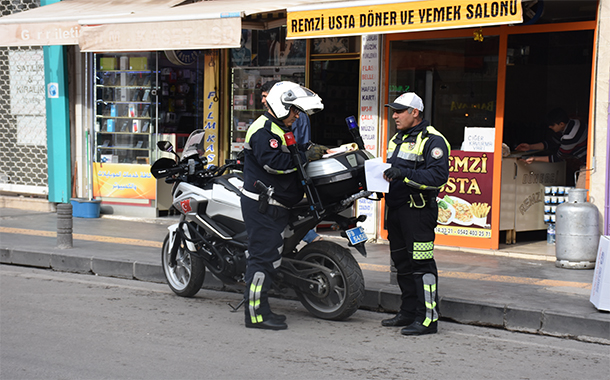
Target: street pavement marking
[[98, 238], [364, 266]]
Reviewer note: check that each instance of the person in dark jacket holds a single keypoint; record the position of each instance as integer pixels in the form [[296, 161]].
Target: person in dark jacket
[[301, 128], [567, 142], [268, 160], [419, 155]]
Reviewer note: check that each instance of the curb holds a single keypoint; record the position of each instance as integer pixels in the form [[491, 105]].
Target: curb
[[386, 299]]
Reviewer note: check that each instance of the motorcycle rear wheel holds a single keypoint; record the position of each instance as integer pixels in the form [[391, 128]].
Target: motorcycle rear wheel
[[339, 295], [186, 277]]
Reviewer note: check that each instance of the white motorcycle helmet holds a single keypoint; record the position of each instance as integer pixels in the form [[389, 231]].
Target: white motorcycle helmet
[[285, 94]]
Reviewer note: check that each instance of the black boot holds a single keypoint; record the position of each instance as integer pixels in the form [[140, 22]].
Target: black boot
[[417, 328], [278, 317], [269, 324], [398, 320]]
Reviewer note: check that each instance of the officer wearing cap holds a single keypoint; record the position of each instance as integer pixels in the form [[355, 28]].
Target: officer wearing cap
[[419, 155]]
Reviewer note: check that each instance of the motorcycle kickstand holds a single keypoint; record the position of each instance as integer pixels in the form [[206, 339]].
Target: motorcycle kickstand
[[234, 309]]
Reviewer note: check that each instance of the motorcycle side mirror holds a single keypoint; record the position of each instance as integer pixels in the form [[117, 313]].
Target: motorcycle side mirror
[[167, 146]]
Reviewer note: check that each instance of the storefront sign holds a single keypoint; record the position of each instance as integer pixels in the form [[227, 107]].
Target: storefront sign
[[369, 116], [210, 110], [39, 34], [123, 181], [464, 203], [169, 35], [400, 17], [478, 139], [27, 95]]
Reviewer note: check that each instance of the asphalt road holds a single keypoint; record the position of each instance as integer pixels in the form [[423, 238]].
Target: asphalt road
[[56, 325]]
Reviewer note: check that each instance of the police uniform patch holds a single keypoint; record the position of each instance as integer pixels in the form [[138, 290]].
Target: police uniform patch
[[273, 143], [437, 153]]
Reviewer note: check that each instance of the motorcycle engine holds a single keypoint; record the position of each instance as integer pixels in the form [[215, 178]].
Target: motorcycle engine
[[228, 263]]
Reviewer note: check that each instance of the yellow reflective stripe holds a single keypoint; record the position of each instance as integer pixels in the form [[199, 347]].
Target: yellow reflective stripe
[[430, 298], [423, 255], [254, 301], [260, 123], [423, 250]]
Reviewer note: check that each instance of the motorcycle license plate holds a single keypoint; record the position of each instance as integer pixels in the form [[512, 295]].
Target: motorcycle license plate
[[356, 235]]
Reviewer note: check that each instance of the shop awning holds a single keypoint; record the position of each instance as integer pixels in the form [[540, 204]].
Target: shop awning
[[345, 18], [57, 24], [208, 24]]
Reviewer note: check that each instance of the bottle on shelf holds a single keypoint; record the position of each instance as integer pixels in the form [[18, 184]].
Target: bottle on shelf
[[550, 234]]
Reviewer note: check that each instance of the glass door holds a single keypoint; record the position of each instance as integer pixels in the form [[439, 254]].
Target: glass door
[[126, 108]]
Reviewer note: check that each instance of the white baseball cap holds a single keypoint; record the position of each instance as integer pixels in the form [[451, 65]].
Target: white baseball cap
[[407, 100]]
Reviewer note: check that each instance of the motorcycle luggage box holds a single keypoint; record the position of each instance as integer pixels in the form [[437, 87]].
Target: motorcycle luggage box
[[339, 176]]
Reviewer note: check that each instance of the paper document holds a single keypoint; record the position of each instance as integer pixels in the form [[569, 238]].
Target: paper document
[[341, 149], [373, 170]]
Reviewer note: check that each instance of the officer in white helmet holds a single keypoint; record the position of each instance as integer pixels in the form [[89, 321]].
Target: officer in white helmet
[[268, 161]]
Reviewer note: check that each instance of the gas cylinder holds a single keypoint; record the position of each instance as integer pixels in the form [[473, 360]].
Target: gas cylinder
[[576, 232]]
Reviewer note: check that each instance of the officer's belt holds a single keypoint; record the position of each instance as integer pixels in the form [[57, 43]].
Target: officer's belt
[[255, 196], [420, 200]]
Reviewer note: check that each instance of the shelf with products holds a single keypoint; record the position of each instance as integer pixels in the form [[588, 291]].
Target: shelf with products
[[179, 98], [246, 99], [122, 147], [126, 107]]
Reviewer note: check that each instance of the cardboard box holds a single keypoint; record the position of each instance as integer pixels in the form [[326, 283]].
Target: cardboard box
[[138, 63], [600, 289], [108, 63]]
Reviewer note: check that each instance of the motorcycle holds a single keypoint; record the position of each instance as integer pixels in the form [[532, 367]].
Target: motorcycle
[[211, 232]]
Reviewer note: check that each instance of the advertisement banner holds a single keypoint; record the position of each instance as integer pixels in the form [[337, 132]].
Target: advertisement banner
[[123, 181], [465, 202], [211, 107], [369, 117], [400, 17]]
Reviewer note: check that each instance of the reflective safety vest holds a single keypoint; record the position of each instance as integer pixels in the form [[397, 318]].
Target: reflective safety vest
[[261, 122], [267, 159], [411, 155]]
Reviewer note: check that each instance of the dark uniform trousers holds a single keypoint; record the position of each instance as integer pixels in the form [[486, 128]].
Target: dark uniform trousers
[[411, 236], [265, 244]]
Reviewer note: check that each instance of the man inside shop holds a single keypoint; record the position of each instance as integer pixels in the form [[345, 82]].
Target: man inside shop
[[567, 142]]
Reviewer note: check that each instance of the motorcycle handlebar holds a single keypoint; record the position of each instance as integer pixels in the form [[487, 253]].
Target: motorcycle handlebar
[[194, 169]]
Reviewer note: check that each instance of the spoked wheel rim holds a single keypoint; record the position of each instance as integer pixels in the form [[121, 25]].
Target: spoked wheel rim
[[331, 293], [179, 275]]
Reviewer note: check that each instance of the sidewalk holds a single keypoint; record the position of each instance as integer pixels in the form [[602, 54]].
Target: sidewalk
[[510, 290]]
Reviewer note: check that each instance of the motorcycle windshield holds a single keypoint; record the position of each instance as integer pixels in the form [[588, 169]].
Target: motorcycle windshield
[[194, 144]]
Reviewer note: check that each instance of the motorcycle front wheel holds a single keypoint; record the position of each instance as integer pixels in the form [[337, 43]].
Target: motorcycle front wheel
[[340, 291], [185, 278]]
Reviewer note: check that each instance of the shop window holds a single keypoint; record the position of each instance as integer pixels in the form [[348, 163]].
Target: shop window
[[264, 55], [263, 48], [335, 45], [545, 71], [336, 81], [456, 78]]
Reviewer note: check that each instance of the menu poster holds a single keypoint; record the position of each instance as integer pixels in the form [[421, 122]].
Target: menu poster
[[464, 202]]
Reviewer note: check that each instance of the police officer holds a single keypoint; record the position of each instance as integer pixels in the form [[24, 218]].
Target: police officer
[[419, 155], [265, 208]]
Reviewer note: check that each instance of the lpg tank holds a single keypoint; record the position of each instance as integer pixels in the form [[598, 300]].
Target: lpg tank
[[577, 232]]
